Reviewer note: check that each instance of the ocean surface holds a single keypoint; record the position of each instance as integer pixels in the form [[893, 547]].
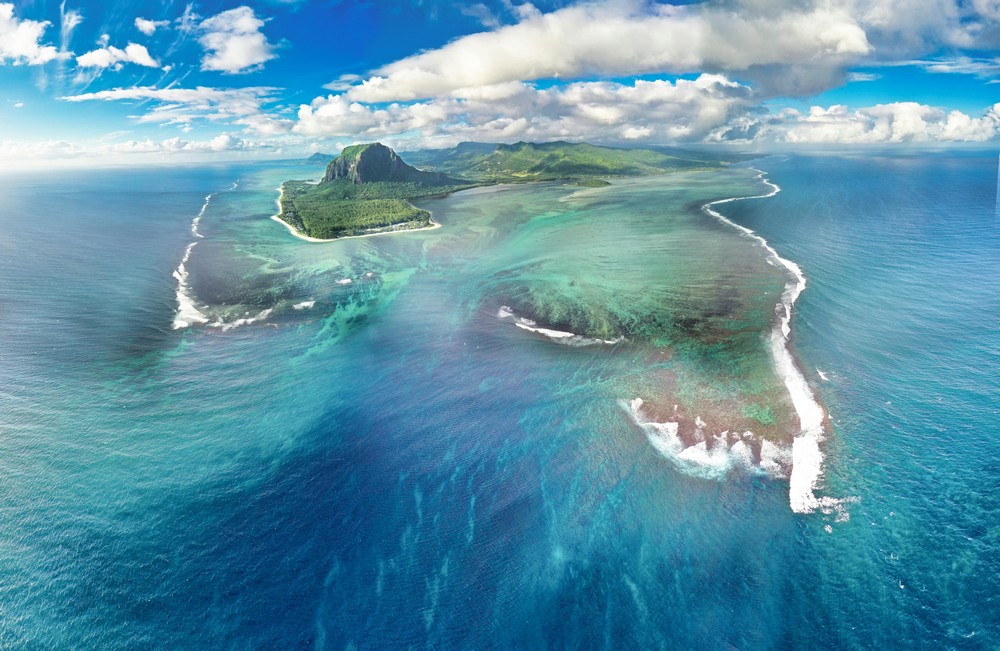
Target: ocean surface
[[215, 435]]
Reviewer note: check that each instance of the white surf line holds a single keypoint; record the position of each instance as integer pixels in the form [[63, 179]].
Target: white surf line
[[807, 459], [187, 312], [558, 336], [201, 213]]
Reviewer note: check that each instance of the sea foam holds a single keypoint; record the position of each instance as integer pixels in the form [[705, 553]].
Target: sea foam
[[245, 320], [807, 458], [188, 313], [713, 458], [559, 336], [197, 219]]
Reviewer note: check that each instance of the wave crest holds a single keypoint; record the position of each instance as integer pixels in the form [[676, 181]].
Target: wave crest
[[807, 458]]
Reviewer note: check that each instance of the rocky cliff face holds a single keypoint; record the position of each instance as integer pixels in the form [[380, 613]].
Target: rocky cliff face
[[377, 163]]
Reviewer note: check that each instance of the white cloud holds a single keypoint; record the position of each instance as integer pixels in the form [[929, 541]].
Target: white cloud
[[234, 43], [962, 65], [149, 27], [649, 111], [242, 106], [16, 153], [221, 143], [188, 21], [20, 40], [482, 13], [110, 56], [863, 76], [626, 38], [23, 154], [18, 105], [901, 28], [343, 82], [898, 122], [69, 20]]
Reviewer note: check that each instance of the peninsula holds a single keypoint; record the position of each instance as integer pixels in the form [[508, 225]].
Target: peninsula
[[367, 189]]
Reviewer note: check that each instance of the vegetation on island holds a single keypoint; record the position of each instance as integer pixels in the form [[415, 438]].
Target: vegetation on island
[[367, 188], [526, 161]]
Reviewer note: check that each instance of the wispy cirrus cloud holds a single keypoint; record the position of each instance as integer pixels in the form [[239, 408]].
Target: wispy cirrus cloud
[[863, 76], [183, 106], [961, 65]]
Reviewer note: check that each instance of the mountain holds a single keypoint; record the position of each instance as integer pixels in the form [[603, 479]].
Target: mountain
[[365, 190], [526, 161], [376, 163], [320, 159], [368, 188]]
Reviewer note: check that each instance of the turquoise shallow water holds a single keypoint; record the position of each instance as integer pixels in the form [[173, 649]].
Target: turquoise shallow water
[[384, 463]]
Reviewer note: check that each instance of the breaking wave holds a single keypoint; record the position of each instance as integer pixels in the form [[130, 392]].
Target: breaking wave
[[558, 336], [188, 313], [807, 458], [717, 454]]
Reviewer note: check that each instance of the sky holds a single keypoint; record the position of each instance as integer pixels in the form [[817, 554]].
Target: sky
[[87, 82]]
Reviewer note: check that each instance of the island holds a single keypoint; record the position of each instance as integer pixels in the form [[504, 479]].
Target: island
[[367, 189]]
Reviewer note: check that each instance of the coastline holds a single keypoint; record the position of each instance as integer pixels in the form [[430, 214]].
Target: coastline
[[807, 458], [316, 240]]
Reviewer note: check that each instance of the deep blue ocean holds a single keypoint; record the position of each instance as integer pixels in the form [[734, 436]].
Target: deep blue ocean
[[346, 448]]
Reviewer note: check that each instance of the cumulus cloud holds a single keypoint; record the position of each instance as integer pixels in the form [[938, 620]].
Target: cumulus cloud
[[606, 112], [628, 38], [60, 152], [17, 152], [234, 43], [222, 142], [149, 27], [890, 123], [20, 40], [243, 106], [893, 123], [905, 27], [110, 56], [480, 86]]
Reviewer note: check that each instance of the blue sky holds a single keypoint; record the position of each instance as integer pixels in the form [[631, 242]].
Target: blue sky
[[85, 81]]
